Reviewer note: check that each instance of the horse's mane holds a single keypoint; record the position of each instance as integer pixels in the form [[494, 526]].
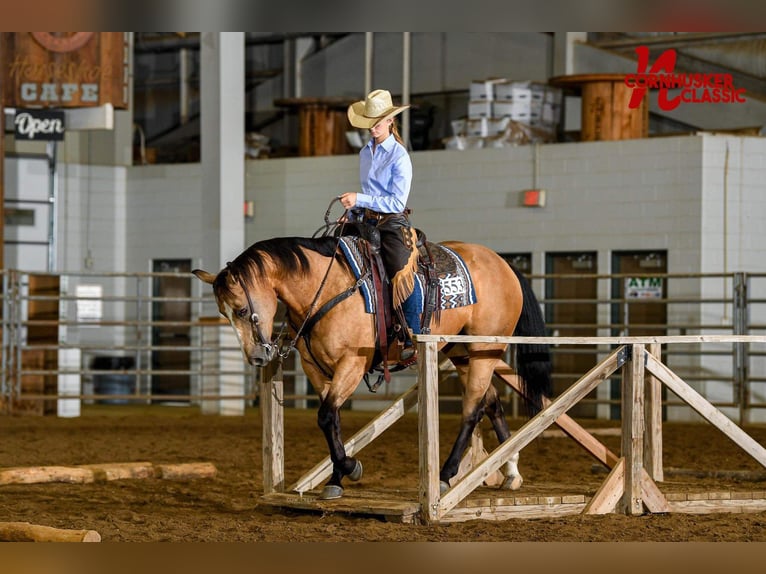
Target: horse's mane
[[284, 252]]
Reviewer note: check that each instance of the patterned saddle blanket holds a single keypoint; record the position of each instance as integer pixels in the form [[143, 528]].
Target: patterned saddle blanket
[[456, 287]]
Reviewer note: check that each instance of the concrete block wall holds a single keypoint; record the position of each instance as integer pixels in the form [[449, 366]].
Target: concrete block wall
[[648, 194]]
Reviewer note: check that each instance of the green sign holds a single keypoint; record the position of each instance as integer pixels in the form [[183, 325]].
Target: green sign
[[643, 288]]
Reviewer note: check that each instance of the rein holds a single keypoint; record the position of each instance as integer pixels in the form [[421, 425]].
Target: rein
[[273, 347]]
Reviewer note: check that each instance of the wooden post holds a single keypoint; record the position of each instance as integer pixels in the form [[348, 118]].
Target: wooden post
[[428, 430], [633, 429], [653, 443], [272, 412]]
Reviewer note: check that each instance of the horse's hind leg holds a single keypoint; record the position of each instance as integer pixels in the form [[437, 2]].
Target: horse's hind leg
[[476, 381], [328, 419], [494, 409]]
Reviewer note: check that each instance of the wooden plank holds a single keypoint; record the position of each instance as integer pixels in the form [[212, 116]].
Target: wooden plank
[[501, 513], [272, 413], [566, 423], [633, 429], [531, 430], [645, 340], [428, 431], [361, 439], [653, 418], [391, 509], [653, 498], [706, 410], [609, 493], [715, 506]]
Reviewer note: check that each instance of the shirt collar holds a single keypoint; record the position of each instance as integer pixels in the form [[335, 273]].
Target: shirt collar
[[387, 144]]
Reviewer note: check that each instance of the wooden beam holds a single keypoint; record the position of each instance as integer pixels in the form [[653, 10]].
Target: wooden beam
[[272, 415], [566, 423], [653, 417], [609, 493], [428, 431], [532, 429], [706, 410], [633, 429], [652, 496], [26, 532], [361, 439], [646, 340]]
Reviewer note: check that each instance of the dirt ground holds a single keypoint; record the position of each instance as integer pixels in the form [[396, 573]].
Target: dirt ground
[[227, 508]]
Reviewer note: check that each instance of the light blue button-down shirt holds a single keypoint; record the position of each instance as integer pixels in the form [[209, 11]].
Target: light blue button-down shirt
[[385, 177]]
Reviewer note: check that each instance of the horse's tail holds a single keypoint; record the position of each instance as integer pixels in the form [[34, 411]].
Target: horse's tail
[[533, 361]]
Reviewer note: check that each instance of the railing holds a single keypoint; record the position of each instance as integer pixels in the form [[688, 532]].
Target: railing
[[52, 336]]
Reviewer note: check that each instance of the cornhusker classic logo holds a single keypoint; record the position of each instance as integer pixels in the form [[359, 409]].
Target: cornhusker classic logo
[[695, 88]]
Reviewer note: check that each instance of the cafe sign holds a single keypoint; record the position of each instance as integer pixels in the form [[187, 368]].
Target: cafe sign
[[65, 69]]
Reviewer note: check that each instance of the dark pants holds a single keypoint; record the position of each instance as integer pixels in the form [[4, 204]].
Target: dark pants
[[398, 248]]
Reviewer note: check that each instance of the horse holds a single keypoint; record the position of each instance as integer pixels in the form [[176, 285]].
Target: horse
[[306, 273]]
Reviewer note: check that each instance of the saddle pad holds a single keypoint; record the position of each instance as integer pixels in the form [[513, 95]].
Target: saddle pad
[[455, 282]]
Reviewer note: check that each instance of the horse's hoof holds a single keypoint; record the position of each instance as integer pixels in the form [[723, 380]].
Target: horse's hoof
[[331, 492], [512, 483], [356, 474], [443, 487]]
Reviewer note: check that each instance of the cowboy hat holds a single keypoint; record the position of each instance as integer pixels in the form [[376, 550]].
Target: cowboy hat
[[374, 108]]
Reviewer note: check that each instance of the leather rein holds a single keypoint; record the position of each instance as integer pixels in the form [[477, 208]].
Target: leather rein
[[273, 347]]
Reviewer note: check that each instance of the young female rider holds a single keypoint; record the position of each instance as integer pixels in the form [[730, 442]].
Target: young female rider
[[386, 175]]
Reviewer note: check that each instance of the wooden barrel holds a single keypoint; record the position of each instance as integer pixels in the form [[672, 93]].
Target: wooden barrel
[[605, 111]]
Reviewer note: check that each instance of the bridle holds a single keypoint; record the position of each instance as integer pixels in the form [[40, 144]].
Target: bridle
[[271, 346]]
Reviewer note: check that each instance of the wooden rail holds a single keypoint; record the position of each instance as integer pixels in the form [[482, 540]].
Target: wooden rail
[[630, 487]]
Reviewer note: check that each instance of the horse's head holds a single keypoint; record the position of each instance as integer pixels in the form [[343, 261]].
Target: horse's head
[[250, 308]]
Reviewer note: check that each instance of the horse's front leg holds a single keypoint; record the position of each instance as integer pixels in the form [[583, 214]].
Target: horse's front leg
[[342, 465], [333, 394]]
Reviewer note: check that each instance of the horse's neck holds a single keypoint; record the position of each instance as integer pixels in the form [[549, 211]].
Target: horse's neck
[[298, 292]]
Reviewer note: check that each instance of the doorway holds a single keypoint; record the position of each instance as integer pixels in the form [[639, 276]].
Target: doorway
[[640, 308], [571, 311], [171, 316]]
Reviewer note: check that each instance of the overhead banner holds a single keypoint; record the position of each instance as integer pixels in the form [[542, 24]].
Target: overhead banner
[[39, 125]]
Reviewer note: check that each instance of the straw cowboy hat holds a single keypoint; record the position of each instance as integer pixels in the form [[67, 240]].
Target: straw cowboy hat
[[374, 108]]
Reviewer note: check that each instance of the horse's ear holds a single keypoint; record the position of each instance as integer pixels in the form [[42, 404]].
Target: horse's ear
[[204, 276]]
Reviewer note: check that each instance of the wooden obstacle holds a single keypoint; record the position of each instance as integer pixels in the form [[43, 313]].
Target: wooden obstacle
[[630, 487], [89, 473], [26, 532]]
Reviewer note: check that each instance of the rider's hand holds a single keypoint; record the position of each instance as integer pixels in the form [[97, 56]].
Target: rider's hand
[[348, 200]]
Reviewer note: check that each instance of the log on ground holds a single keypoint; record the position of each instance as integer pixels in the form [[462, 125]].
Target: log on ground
[[27, 532]]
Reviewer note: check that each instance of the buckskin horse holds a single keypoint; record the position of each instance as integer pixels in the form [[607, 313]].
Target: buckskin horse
[[340, 348]]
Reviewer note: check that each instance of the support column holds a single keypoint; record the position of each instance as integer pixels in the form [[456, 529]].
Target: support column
[[222, 118]]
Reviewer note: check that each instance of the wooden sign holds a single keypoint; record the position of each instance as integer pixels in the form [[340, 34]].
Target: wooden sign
[[65, 69]]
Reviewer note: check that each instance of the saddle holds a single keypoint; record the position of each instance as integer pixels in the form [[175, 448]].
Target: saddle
[[436, 264]]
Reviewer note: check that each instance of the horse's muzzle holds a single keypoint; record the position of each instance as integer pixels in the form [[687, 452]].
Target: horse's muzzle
[[261, 355]]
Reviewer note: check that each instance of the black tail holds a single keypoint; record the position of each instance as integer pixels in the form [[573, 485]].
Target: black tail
[[533, 361]]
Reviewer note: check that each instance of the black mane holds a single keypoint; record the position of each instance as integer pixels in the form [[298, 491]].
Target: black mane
[[285, 252]]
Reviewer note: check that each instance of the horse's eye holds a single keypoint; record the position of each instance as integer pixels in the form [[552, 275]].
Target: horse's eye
[[242, 313]]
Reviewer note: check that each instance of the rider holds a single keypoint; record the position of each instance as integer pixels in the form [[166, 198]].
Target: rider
[[386, 176]]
